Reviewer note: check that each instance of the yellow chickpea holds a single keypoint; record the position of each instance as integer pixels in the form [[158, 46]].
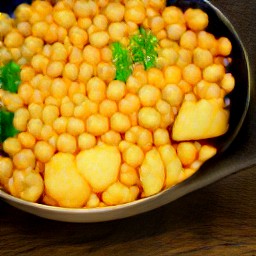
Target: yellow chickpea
[[26, 139], [99, 39], [91, 55], [59, 88], [206, 152], [78, 98], [145, 140], [129, 104], [133, 156], [117, 30], [172, 75], [50, 114], [173, 95], [156, 23], [35, 110], [133, 84], [60, 124], [21, 117], [86, 141], [106, 71], [39, 62], [39, 29], [202, 58], [175, 31], [84, 23], [185, 86], [149, 118], [65, 18], [67, 109], [196, 19], [111, 138], [24, 159], [136, 13], [100, 21], [43, 151], [34, 127], [78, 37], [192, 74], [106, 54], [187, 153], [172, 15], [27, 73], [228, 82], [168, 57], [116, 90], [54, 69], [189, 40], [224, 46], [214, 73], [6, 169], [161, 137], [184, 58], [85, 8], [107, 107], [58, 52], [128, 175], [71, 71], [149, 95], [12, 101], [13, 39], [23, 12], [120, 122], [206, 40], [156, 78], [96, 89], [47, 132], [11, 146], [114, 11], [85, 72], [97, 124], [66, 143], [75, 55], [75, 126]]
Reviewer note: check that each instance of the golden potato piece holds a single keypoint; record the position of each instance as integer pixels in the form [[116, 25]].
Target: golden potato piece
[[200, 120], [119, 194], [172, 163], [152, 173], [64, 183], [99, 166]]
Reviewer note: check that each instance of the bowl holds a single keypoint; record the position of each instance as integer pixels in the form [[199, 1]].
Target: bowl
[[211, 171]]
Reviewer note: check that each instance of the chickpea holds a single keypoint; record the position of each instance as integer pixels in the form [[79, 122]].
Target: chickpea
[[169, 56], [34, 127], [184, 58], [116, 90], [13, 39], [192, 74], [40, 29], [21, 117], [50, 114], [78, 37], [75, 55], [173, 95], [214, 73], [228, 82], [128, 175], [75, 126], [202, 58], [206, 40], [111, 138], [149, 118], [106, 54], [117, 31], [172, 15], [120, 122], [47, 132], [161, 137], [27, 73], [59, 88], [156, 23], [86, 141], [58, 52], [133, 84], [26, 139], [6, 169], [106, 71], [114, 11], [54, 69], [11, 146], [175, 31], [96, 89], [100, 21], [196, 19], [97, 124], [145, 140], [60, 124], [85, 8], [43, 151], [133, 156], [206, 152], [224, 46], [136, 14], [163, 107], [39, 62], [66, 143], [129, 104], [149, 95], [12, 101], [187, 153], [188, 40], [71, 71], [99, 39], [91, 55], [65, 18], [185, 86], [24, 159], [85, 72], [172, 75], [67, 109], [156, 78]]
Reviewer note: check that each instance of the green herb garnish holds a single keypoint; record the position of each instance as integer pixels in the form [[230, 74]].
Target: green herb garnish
[[122, 61], [6, 125], [143, 48], [10, 77]]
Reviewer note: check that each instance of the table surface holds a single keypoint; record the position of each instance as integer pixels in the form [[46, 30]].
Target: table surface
[[216, 220]]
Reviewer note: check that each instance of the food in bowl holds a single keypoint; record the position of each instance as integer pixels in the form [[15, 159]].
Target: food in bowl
[[108, 102]]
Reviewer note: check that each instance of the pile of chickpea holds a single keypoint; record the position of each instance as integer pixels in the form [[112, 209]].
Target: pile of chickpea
[[69, 108]]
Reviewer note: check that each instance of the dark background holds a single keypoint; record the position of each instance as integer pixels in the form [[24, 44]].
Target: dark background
[[217, 220]]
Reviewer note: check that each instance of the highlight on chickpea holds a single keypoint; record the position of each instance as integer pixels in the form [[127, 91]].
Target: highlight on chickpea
[[87, 140]]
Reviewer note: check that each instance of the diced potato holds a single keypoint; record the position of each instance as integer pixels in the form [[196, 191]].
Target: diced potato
[[200, 120], [206, 152], [99, 166], [63, 182], [119, 194], [172, 165], [152, 173]]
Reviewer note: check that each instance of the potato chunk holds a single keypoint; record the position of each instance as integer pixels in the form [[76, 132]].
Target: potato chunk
[[200, 120], [172, 163], [152, 173], [63, 182], [100, 166]]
